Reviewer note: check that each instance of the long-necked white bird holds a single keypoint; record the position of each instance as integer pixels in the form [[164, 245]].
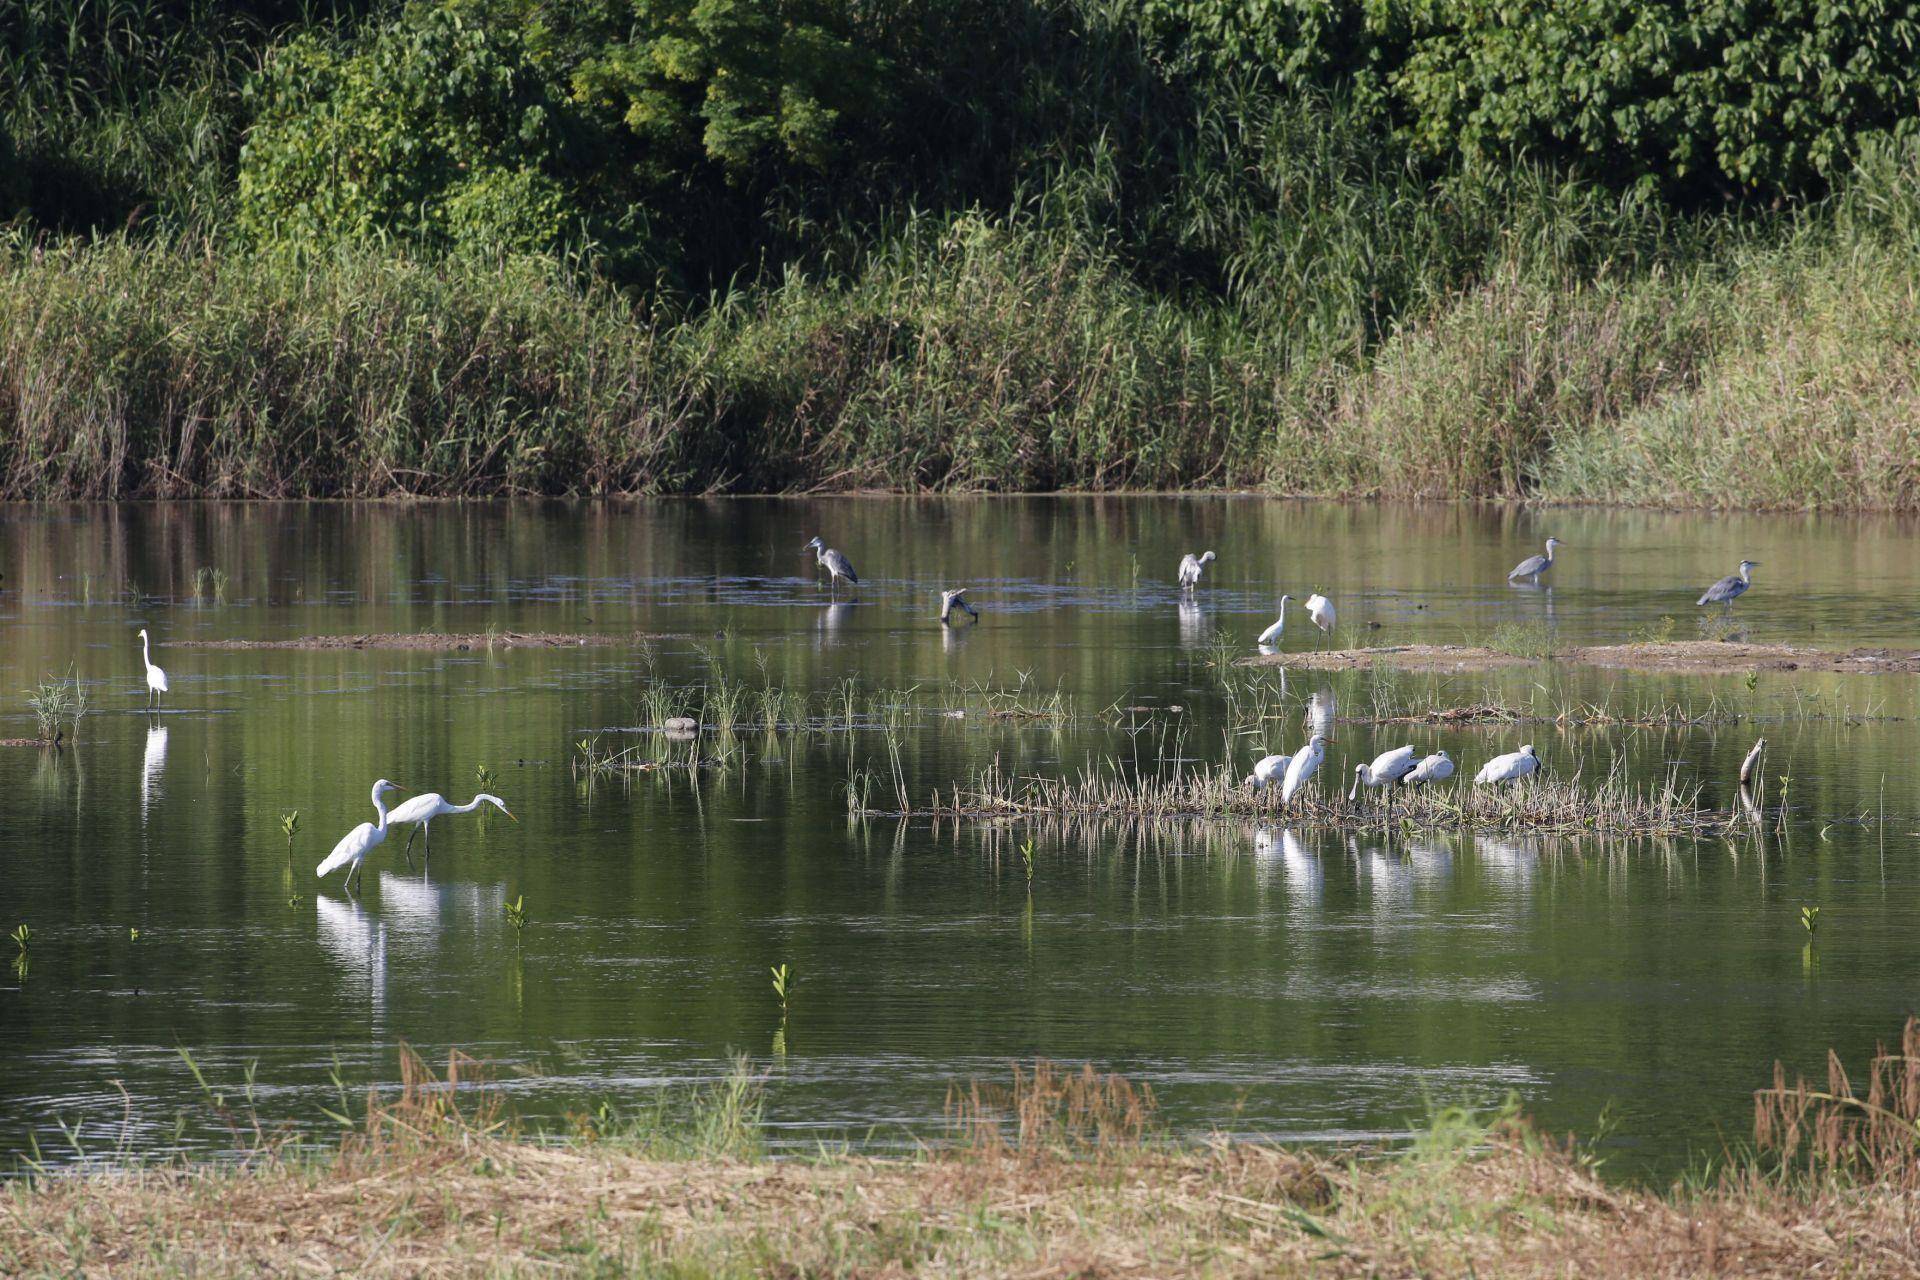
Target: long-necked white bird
[[1320, 609], [1271, 636], [1387, 768], [1192, 566], [156, 678], [1511, 767], [1437, 767], [422, 809], [1266, 770], [362, 840], [1305, 763]]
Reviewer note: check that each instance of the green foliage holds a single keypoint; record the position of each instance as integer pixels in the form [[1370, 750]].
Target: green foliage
[[432, 128], [782, 981], [22, 936]]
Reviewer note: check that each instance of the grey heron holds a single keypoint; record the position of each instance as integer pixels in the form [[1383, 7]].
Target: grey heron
[[1434, 768], [1271, 636], [951, 600], [1305, 763], [1266, 770], [1511, 767], [1731, 587], [1192, 566], [1320, 609], [836, 565], [156, 678], [1387, 768], [1533, 566]]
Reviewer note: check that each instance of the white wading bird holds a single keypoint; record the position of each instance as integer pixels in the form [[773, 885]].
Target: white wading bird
[[1271, 636], [1302, 767], [1320, 609], [1435, 768], [1385, 770], [1511, 767], [1192, 566], [156, 678], [1266, 770], [363, 839], [1533, 566], [424, 808], [836, 565]]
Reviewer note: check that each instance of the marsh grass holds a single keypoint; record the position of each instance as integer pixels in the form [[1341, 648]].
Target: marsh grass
[[56, 702], [1113, 790], [1835, 1130]]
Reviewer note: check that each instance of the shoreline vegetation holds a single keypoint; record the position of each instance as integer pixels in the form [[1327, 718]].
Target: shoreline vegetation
[[1704, 657], [1063, 1172], [1019, 246]]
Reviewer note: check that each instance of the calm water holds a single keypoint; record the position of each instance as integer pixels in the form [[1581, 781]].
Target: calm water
[[1289, 983]]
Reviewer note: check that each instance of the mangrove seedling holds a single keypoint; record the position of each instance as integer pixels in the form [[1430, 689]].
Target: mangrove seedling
[[1026, 860], [782, 979], [133, 933], [517, 916], [290, 826], [1810, 920], [22, 936], [483, 776]]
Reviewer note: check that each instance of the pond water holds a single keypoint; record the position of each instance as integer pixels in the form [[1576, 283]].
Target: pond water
[[1290, 983]]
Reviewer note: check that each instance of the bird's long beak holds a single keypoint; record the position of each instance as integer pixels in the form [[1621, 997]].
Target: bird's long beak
[[509, 813]]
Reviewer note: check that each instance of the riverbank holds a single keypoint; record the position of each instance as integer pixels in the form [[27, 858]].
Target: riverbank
[[1696, 657], [1066, 1180]]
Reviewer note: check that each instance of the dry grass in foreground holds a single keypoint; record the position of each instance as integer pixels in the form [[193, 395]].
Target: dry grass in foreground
[[1061, 1175]]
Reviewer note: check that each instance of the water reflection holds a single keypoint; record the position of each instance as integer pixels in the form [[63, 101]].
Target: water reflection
[[356, 941], [152, 763]]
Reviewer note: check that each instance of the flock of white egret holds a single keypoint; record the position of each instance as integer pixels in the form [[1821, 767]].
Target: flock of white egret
[[1291, 773]]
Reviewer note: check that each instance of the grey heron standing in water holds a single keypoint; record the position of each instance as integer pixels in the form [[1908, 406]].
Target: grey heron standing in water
[[1533, 566], [951, 600], [1192, 566], [1731, 587], [836, 565]]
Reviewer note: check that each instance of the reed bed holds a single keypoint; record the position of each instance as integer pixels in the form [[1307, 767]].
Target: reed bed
[[1612, 806]]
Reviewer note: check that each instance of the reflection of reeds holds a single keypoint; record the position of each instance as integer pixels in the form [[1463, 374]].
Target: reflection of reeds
[[1612, 806]]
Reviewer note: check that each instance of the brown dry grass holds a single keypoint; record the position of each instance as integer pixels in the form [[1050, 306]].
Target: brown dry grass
[[1710, 656], [435, 641]]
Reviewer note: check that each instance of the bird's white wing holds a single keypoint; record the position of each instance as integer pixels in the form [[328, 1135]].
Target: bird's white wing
[[1299, 769], [1274, 632], [352, 845], [1498, 769], [156, 679], [1390, 765], [418, 809]]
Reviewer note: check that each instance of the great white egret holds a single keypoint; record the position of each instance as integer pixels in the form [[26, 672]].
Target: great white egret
[[1386, 769], [1533, 566], [1265, 770], [836, 565], [1320, 609], [422, 809], [1511, 767], [1192, 566], [363, 839], [1302, 767], [957, 599], [1272, 635], [1731, 587], [156, 678], [1437, 767]]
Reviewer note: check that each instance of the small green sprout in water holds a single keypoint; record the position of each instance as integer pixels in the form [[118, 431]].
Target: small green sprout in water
[[1753, 681], [782, 980], [290, 827], [294, 900], [483, 776], [517, 916], [210, 582], [22, 936], [133, 933], [1810, 920], [1026, 860]]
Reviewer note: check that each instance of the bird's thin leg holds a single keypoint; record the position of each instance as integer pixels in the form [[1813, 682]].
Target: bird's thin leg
[[426, 844], [407, 848]]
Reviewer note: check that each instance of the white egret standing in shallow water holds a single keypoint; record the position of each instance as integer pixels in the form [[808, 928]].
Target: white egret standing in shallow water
[[362, 840], [1725, 591], [1272, 635], [425, 807], [1533, 566], [1511, 767], [156, 678], [1265, 770], [1320, 609], [1386, 769], [1192, 566], [1303, 765], [836, 565]]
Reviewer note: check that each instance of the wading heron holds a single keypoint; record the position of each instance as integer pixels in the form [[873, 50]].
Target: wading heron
[[1271, 636], [1302, 767], [836, 565], [1386, 769], [1533, 566], [1731, 587], [1320, 609], [1437, 767], [1192, 566], [359, 842], [1266, 770], [951, 600], [422, 809], [1511, 767], [156, 678]]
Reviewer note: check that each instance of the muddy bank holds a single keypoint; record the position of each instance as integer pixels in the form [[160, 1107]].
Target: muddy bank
[[437, 641], [1704, 657]]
